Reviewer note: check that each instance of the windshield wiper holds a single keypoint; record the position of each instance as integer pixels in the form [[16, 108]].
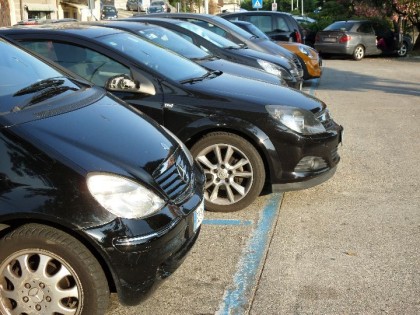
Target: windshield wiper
[[39, 86], [233, 47], [198, 79], [44, 95], [209, 57], [210, 74]]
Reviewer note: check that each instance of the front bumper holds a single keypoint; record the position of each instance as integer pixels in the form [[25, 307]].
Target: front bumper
[[288, 168], [139, 262]]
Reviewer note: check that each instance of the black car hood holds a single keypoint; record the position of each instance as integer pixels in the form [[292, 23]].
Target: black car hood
[[243, 91], [105, 136], [282, 61], [240, 70], [270, 47]]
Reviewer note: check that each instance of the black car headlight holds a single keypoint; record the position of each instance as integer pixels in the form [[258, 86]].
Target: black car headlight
[[299, 120], [274, 69], [123, 197]]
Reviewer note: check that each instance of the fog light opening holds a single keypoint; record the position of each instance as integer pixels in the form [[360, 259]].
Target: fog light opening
[[310, 164]]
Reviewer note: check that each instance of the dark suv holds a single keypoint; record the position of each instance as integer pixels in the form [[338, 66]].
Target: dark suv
[[94, 195], [279, 26]]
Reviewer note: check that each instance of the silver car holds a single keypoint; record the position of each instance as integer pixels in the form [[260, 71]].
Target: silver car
[[359, 39]]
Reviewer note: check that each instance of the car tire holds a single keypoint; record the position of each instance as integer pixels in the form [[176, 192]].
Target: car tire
[[358, 53], [233, 168], [402, 52], [45, 271]]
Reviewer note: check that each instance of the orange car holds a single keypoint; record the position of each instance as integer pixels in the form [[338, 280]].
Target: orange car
[[309, 57]]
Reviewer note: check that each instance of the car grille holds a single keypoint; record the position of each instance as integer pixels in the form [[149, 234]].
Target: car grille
[[325, 118], [175, 177], [299, 65]]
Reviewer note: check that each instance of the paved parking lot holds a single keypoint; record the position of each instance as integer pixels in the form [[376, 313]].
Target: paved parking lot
[[348, 246]]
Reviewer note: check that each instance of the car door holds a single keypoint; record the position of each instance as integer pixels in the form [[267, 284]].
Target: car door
[[98, 65], [368, 37]]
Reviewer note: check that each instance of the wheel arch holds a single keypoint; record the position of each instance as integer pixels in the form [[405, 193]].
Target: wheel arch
[[253, 134], [6, 226]]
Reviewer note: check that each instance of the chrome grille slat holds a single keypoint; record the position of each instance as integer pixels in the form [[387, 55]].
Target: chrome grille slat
[[175, 176], [298, 64]]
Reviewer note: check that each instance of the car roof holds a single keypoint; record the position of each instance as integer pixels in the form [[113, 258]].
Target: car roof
[[74, 28], [138, 25], [207, 17], [145, 18], [255, 12]]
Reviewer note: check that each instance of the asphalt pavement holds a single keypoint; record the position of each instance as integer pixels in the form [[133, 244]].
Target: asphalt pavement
[[348, 246]]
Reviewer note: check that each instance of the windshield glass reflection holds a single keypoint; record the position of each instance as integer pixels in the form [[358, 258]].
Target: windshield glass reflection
[[162, 61], [217, 40]]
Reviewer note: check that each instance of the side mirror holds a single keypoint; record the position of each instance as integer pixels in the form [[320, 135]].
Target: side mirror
[[122, 83]]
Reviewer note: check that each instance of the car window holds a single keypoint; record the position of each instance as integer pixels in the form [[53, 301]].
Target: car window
[[109, 9], [365, 28], [256, 31], [209, 26], [166, 63], [85, 62], [340, 26], [214, 38], [172, 41], [280, 24], [263, 22], [19, 71]]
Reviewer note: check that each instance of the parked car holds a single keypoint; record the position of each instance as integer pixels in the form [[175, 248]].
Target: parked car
[[155, 9], [172, 41], [135, 5], [357, 39], [85, 205], [279, 26], [301, 19], [109, 12], [158, 6], [224, 28], [223, 48], [242, 131], [309, 57]]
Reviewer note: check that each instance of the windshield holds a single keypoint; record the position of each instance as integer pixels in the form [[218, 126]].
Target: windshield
[[339, 26], [217, 40], [107, 9], [25, 80], [174, 42], [256, 31], [162, 61]]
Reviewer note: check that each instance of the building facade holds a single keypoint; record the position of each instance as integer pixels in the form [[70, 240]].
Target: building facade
[[31, 11]]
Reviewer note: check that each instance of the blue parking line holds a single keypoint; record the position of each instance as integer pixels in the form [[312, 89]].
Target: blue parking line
[[314, 85], [227, 222], [236, 300]]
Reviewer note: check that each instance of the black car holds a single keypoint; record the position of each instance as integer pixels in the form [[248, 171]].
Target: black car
[[228, 50], [171, 40], [279, 26], [88, 203], [243, 132], [109, 12], [233, 33]]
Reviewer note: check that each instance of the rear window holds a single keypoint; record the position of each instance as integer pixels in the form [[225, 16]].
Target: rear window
[[340, 26]]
